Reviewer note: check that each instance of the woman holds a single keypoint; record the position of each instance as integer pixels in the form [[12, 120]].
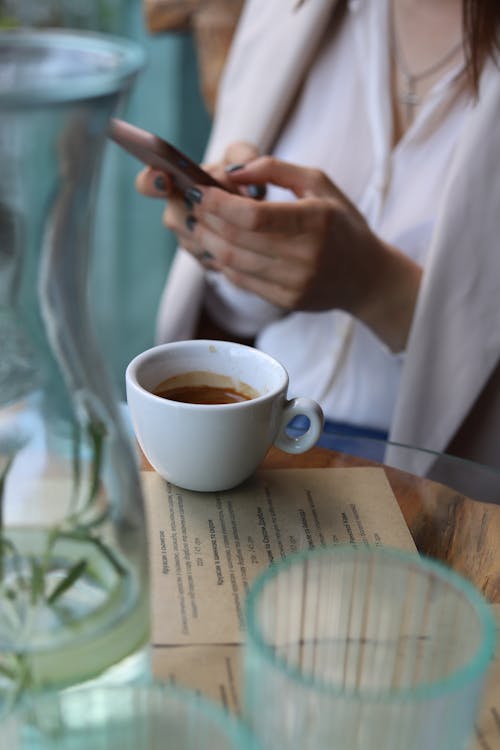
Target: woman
[[372, 270]]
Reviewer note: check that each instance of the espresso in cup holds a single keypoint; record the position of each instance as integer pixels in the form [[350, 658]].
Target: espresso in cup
[[218, 443], [203, 387]]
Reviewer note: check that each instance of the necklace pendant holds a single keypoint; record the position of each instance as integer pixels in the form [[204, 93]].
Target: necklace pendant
[[410, 98]]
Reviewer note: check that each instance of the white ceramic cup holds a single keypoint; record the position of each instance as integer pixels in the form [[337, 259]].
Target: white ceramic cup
[[214, 447]]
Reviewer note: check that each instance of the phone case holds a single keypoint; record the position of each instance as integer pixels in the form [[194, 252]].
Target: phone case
[[159, 154]]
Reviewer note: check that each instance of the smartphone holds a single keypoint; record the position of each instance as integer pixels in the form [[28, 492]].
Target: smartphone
[[159, 154]]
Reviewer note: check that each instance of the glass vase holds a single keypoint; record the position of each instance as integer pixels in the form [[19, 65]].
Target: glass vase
[[73, 557]]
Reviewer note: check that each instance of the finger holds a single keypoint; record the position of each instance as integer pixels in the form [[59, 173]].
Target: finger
[[273, 243], [303, 181], [288, 218], [272, 291], [178, 209], [284, 265], [237, 155], [183, 224], [253, 190], [201, 254], [217, 171], [221, 236], [257, 192], [154, 183], [204, 257], [240, 152], [299, 242]]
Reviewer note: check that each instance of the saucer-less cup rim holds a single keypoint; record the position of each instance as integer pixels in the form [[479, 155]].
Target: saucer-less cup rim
[[425, 691], [293, 407], [133, 373]]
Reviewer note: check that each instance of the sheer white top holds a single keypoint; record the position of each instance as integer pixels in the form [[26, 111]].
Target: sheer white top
[[342, 123]]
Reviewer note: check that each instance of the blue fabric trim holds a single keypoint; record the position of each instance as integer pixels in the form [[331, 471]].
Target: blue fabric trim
[[364, 442]]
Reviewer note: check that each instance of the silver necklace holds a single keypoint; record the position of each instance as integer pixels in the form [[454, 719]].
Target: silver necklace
[[409, 96]]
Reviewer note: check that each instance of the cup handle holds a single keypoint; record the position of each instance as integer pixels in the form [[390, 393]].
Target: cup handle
[[307, 408]]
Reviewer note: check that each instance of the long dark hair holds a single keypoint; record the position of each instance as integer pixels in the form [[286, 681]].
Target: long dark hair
[[481, 30], [481, 26]]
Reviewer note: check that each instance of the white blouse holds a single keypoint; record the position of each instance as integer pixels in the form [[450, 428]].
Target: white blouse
[[342, 123]]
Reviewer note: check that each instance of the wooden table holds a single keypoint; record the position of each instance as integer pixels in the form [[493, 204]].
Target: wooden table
[[445, 524]]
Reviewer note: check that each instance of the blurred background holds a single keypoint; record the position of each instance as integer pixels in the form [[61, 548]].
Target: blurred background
[[132, 251]]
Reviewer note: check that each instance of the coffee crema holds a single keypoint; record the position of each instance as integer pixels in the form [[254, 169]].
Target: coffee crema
[[204, 388]]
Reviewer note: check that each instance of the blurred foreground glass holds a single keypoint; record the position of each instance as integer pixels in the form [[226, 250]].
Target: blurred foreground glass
[[73, 562], [102, 15], [362, 649], [152, 716]]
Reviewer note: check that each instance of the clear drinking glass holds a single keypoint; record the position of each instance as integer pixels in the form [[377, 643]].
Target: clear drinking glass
[[133, 717], [362, 649], [73, 557]]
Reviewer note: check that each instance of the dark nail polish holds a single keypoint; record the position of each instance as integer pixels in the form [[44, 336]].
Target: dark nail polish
[[205, 255], [190, 222], [160, 183], [188, 203], [233, 168], [256, 191], [193, 194]]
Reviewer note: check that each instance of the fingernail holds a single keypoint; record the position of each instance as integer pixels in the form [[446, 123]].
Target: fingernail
[[193, 194], [188, 203], [190, 222], [256, 191], [159, 183], [233, 167], [205, 255]]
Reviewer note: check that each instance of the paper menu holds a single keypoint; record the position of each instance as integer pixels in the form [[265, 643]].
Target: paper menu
[[214, 670], [207, 547]]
